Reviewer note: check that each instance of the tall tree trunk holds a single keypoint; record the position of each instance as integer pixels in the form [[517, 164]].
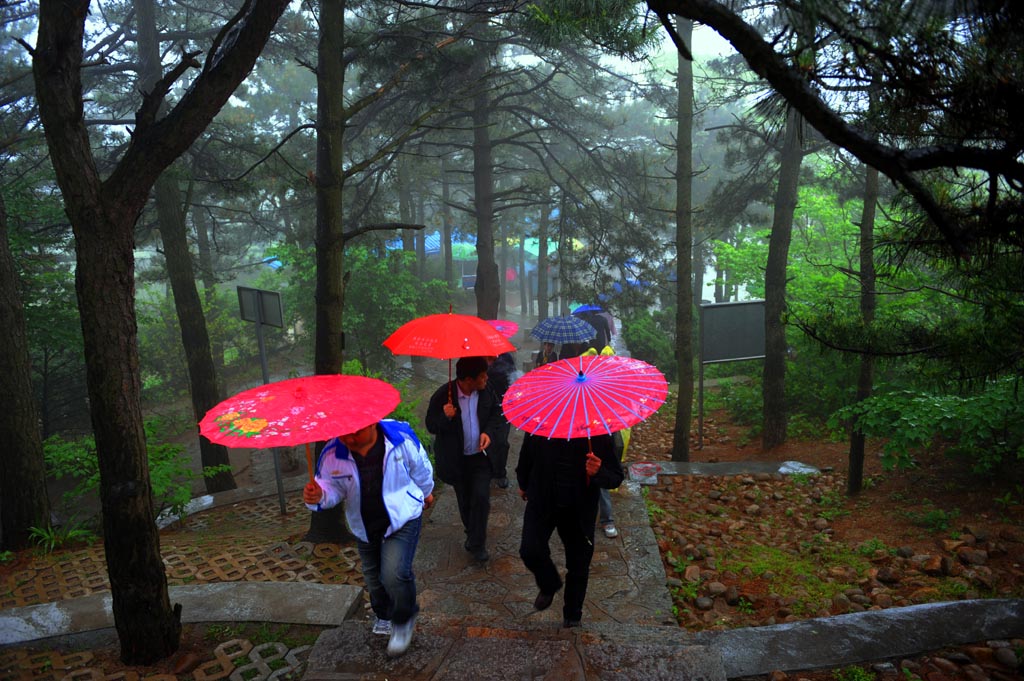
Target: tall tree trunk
[[487, 284], [23, 500], [103, 216], [421, 238], [327, 526], [202, 374], [207, 275], [524, 280], [866, 375], [684, 248], [543, 304], [446, 227], [405, 205], [330, 184], [774, 384], [502, 269]]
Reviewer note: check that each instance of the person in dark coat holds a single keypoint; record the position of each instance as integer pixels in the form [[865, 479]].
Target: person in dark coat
[[499, 376], [600, 324], [560, 481], [465, 418]]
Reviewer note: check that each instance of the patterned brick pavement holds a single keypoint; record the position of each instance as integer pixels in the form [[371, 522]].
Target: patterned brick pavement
[[247, 541]]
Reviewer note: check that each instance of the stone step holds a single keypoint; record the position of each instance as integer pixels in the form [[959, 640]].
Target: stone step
[[455, 649]]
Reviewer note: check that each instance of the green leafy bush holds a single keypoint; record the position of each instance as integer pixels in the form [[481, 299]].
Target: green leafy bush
[[988, 428], [169, 472], [651, 337]]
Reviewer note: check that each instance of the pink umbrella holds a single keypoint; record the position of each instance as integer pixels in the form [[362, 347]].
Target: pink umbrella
[[585, 396], [299, 411], [506, 327]]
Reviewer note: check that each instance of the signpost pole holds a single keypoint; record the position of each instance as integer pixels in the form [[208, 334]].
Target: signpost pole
[[266, 379]]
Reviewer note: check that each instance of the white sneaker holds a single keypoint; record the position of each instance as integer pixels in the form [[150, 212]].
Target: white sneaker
[[610, 531], [401, 637], [381, 627]]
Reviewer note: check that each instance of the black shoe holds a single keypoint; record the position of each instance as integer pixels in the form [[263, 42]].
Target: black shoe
[[570, 623], [503, 483], [481, 555], [543, 601]]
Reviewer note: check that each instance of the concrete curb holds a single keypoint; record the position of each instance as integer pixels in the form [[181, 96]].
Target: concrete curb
[[289, 602], [859, 637]]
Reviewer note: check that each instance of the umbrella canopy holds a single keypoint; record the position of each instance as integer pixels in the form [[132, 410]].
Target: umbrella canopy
[[568, 329], [587, 307], [299, 411], [506, 327], [446, 336], [585, 396]]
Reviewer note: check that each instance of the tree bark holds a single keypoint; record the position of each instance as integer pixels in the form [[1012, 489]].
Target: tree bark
[[103, 216], [684, 248], [202, 373], [543, 304], [207, 275], [330, 185], [328, 526], [774, 384], [487, 284], [446, 227], [866, 374], [23, 500]]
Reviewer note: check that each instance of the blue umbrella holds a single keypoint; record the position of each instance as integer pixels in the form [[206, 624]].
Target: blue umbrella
[[567, 329], [587, 307]]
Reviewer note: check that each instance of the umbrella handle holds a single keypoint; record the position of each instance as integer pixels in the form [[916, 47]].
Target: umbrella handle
[[309, 463]]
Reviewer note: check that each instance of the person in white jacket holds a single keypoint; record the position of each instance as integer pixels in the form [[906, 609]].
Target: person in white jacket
[[385, 478]]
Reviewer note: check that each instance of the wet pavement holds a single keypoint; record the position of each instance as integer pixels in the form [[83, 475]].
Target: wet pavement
[[477, 619]]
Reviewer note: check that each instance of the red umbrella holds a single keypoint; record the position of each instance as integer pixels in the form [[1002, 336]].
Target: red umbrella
[[446, 336], [299, 411], [506, 327], [585, 396]]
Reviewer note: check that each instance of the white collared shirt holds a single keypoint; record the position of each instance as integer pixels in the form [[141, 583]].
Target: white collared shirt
[[470, 422]]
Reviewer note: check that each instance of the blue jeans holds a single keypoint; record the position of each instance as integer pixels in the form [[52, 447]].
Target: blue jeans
[[387, 571], [604, 505]]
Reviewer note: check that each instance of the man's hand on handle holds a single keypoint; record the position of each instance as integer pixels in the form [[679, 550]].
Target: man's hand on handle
[[312, 494], [593, 464]]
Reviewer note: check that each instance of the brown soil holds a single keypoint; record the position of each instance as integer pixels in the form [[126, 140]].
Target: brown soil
[[970, 528]]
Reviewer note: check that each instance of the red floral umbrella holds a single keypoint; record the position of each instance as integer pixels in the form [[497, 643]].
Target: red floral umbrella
[[585, 396], [299, 411], [447, 336], [506, 327]]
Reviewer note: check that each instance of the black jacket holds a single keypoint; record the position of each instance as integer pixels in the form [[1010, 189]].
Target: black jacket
[[553, 473], [448, 432]]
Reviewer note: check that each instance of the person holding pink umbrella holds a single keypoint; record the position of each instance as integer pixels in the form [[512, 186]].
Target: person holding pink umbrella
[[385, 478], [560, 481]]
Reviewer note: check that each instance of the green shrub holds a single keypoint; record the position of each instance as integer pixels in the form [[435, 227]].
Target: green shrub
[[651, 338], [169, 472], [987, 428]]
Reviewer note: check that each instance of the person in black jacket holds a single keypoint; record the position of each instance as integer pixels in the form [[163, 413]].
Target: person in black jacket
[[559, 480], [465, 418], [500, 371]]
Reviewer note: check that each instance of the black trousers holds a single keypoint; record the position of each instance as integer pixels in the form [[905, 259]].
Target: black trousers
[[473, 492], [499, 457], [577, 538]]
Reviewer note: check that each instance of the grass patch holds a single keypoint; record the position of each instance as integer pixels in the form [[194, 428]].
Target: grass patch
[[802, 575]]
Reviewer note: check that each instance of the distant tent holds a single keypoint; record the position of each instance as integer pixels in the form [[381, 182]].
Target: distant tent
[[462, 249]]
